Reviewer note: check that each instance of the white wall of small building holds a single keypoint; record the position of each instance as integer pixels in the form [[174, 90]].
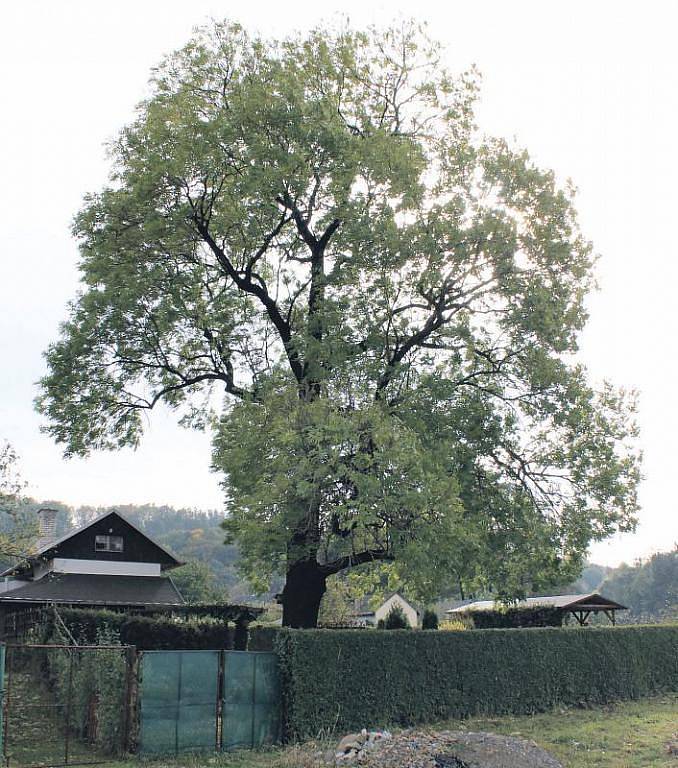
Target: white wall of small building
[[383, 610]]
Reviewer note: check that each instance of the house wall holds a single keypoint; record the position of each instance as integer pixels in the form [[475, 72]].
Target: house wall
[[408, 610], [137, 548], [121, 568]]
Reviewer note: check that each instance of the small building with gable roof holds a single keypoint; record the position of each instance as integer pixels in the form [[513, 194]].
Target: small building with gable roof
[[106, 563], [370, 618]]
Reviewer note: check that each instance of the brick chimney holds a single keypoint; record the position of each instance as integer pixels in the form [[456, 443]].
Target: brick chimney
[[47, 521]]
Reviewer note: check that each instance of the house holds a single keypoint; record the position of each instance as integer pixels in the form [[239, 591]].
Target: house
[[562, 606], [369, 618], [107, 563]]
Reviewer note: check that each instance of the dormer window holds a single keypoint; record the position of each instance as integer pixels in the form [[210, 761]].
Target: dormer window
[[108, 543]]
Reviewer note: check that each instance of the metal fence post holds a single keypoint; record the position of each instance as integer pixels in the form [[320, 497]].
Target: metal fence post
[[219, 720], [130, 696], [68, 706], [2, 699], [254, 696]]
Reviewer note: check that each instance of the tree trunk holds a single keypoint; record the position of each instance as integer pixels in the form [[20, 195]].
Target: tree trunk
[[304, 589]]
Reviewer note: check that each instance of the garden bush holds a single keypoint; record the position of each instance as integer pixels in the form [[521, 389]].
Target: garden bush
[[396, 619], [95, 684], [515, 617], [262, 638], [147, 633], [429, 620], [335, 680]]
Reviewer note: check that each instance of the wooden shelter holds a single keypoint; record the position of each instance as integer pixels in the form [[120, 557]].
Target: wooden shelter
[[582, 607]]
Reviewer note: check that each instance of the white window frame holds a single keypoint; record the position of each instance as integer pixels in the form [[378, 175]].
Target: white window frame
[[106, 542]]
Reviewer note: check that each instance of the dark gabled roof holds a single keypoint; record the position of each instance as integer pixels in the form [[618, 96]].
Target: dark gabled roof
[[44, 551], [96, 589], [588, 602]]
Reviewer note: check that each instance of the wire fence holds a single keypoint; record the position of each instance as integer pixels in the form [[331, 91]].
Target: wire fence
[[67, 705], [84, 705]]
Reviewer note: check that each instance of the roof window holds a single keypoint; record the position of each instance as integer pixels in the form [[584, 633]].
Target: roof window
[[108, 543]]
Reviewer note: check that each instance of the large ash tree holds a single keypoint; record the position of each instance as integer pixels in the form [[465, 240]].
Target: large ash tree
[[312, 232]]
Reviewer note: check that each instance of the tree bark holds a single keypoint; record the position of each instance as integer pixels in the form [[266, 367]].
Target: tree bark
[[304, 588]]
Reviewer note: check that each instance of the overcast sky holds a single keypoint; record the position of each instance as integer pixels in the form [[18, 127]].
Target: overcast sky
[[590, 88]]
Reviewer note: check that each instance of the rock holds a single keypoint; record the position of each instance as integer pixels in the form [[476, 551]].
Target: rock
[[349, 742], [449, 761]]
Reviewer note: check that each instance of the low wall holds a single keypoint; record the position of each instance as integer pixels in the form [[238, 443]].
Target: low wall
[[336, 680]]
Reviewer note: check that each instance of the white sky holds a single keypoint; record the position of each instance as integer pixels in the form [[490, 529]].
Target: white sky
[[590, 88]]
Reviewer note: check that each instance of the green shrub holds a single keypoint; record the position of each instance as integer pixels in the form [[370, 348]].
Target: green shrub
[[396, 619], [164, 634], [147, 633], [514, 617], [262, 638], [95, 682], [430, 620], [336, 680]]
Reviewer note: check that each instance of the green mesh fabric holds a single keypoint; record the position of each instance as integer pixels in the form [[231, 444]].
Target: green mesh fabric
[[178, 701], [251, 709], [179, 691]]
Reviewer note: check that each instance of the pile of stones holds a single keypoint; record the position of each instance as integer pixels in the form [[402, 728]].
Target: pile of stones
[[356, 746], [424, 748]]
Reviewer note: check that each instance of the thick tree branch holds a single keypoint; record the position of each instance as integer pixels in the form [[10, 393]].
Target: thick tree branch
[[368, 556], [245, 283]]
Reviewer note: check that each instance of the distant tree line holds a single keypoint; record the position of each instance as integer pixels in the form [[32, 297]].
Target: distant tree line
[[648, 588]]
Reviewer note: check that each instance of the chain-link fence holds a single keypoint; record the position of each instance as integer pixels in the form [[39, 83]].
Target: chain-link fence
[[67, 705], [79, 705]]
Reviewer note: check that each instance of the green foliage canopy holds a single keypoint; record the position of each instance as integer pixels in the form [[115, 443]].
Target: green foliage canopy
[[389, 301], [11, 484], [18, 530], [649, 589]]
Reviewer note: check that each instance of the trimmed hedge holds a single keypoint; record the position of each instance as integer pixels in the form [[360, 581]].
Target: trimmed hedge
[[513, 618], [343, 681], [262, 638], [147, 633]]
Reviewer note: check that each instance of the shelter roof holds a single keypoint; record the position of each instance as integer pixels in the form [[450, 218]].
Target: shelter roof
[[582, 602]]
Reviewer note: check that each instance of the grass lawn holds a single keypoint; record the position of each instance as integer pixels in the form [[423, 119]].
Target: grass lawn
[[631, 734], [625, 735]]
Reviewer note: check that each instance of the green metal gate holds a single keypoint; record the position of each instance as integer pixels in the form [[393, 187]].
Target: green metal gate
[[208, 700], [179, 700], [251, 700]]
